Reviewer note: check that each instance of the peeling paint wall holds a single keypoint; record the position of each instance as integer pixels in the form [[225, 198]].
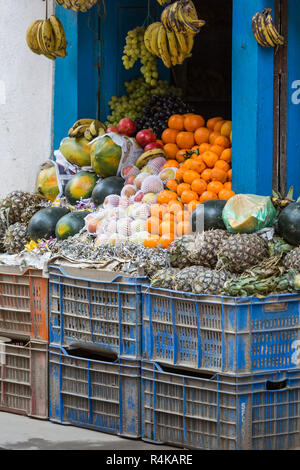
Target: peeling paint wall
[[26, 97]]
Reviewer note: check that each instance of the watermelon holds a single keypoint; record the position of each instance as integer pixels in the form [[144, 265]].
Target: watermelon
[[46, 183], [105, 156], [70, 224], [105, 187], [81, 185], [76, 151], [288, 224], [43, 223], [208, 215]]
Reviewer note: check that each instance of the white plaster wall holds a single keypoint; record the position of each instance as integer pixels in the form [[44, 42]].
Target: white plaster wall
[[26, 97]]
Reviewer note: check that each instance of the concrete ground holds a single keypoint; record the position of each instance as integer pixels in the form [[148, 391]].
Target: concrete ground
[[19, 432]]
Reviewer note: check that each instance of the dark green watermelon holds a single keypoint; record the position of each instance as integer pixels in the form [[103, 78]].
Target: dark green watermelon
[[70, 224], [105, 187], [43, 223], [288, 224], [208, 215]]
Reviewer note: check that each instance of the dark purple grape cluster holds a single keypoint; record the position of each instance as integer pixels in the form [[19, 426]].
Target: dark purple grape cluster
[[158, 110]]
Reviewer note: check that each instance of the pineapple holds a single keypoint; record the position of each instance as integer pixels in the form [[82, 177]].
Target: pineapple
[[292, 259], [179, 251], [3, 227], [241, 251], [20, 206], [206, 246], [164, 278], [210, 281], [15, 238], [183, 280]]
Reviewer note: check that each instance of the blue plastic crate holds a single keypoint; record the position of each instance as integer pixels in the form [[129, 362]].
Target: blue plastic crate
[[95, 394], [98, 307], [220, 412], [221, 334]]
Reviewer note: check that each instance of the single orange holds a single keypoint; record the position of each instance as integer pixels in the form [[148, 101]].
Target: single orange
[[226, 155], [181, 155], [228, 185], [218, 175], [195, 164], [175, 206], [183, 187], [172, 185], [188, 196], [171, 150], [171, 164], [169, 136], [158, 210], [189, 176], [193, 122], [207, 196], [176, 121], [183, 228], [165, 196], [199, 186], [152, 225], [222, 141], [179, 174], [229, 175], [215, 186], [201, 135], [218, 126], [167, 228], [152, 241], [185, 139], [213, 137], [210, 124], [206, 175], [222, 165], [204, 147], [226, 129], [217, 149], [209, 158], [226, 194]]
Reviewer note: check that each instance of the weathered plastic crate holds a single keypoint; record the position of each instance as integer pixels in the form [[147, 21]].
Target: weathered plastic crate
[[220, 412], [23, 303], [221, 334], [92, 393], [99, 307], [24, 377]]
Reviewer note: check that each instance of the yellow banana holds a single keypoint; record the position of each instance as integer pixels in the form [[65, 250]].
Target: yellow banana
[[58, 31], [182, 43], [148, 37], [277, 38], [263, 31], [163, 47], [48, 36], [154, 38], [172, 43], [31, 37], [255, 28]]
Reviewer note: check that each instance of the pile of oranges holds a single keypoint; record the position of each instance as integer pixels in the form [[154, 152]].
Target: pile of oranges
[[201, 152]]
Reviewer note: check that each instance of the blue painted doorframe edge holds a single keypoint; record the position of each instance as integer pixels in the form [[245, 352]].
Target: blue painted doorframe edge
[[252, 92]]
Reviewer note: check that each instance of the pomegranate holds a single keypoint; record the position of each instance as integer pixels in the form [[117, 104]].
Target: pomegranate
[[144, 137], [127, 127], [112, 129], [153, 145]]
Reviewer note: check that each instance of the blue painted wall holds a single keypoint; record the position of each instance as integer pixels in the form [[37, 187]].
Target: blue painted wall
[[293, 98], [252, 103]]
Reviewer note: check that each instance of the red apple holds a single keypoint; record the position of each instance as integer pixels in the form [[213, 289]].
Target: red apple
[[144, 137], [127, 126], [153, 145], [112, 129]]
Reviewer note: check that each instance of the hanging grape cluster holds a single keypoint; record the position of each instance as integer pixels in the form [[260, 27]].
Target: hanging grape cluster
[[135, 49]]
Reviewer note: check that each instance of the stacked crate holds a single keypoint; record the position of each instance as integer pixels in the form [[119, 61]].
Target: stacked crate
[[220, 372], [95, 349], [23, 341]]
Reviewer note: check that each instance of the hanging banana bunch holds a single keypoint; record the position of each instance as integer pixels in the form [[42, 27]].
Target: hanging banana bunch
[[163, 2], [77, 5], [172, 39], [264, 29], [47, 37]]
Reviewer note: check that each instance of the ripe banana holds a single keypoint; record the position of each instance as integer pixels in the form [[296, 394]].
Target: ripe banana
[[47, 37], [163, 47], [181, 17], [149, 155], [163, 2], [150, 39], [77, 5], [264, 29], [172, 43]]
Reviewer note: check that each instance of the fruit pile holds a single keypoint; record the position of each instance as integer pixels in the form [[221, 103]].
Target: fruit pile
[[47, 37], [77, 5]]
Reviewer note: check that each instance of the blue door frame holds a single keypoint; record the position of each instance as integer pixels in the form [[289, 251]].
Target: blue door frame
[[90, 57]]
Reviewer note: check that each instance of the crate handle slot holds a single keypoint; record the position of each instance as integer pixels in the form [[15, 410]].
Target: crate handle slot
[[92, 349], [276, 307], [272, 385]]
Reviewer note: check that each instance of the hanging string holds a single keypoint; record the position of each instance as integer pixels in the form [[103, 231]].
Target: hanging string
[[46, 9], [148, 19]]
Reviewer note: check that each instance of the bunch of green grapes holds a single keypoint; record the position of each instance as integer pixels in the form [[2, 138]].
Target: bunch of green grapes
[[133, 103], [135, 49]]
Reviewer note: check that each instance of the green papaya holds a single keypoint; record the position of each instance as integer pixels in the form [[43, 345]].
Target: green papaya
[[76, 150], [80, 186]]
